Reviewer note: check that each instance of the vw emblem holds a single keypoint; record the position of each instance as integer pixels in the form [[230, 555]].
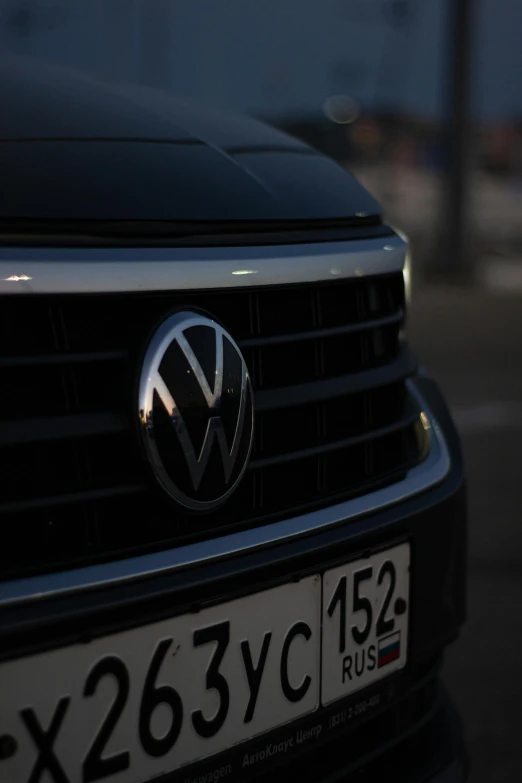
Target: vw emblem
[[196, 410]]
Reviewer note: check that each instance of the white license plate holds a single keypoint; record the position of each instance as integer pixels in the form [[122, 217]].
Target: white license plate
[[128, 707]]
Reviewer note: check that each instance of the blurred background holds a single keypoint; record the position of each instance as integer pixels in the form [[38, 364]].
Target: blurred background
[[422, 100]]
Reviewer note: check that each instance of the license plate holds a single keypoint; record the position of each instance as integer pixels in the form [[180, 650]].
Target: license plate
[[131, 706]]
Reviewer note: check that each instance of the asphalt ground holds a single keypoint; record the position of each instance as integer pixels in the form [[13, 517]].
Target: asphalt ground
[[472, 342]]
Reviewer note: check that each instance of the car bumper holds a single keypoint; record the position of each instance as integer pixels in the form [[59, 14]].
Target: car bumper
[[432, 751], [414, 728]]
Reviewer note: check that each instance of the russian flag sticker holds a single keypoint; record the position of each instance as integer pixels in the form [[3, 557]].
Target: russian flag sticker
[[389, 649]]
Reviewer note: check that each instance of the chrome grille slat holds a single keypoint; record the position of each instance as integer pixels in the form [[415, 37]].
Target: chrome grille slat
[[60, 427], [61, 358], [315, 334], [324, 389], [329, 446], [72, 498]]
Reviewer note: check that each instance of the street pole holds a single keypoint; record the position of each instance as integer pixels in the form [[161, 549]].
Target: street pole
[[454, 261]]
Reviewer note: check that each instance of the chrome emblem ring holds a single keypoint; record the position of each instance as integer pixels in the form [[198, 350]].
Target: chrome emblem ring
[[196, 410]]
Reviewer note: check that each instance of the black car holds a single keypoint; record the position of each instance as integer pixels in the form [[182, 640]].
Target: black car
[[233, 504]]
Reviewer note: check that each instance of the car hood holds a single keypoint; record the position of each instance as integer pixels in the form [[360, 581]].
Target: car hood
[[76, 148]]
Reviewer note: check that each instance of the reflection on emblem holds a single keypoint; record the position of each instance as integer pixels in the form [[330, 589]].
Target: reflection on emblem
[[196, 410]]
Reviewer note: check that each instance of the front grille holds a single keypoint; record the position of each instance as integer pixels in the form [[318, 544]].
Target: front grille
[[333, 415]]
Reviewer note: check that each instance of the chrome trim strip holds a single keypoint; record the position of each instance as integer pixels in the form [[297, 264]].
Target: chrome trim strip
[[28, 270], [429, 473]]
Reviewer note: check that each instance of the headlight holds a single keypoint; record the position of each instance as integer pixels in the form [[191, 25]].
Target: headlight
[[406, 270]]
